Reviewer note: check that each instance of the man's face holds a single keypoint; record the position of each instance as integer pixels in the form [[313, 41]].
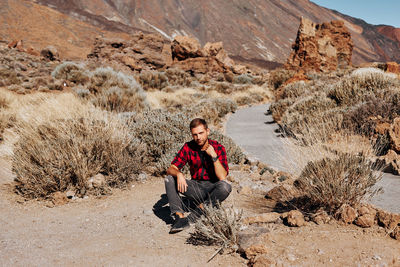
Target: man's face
[[200, 135]]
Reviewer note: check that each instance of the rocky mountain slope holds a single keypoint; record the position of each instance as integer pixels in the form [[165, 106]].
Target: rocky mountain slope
[[255, 30]]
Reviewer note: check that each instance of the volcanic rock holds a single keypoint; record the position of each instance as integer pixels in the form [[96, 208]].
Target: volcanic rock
[[365, 221], [255, 250], [394, 134], [283, 192], [347, 214], [321, 47], [50, 53], [184, 47]]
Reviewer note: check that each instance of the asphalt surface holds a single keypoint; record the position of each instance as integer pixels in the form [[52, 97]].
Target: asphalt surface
[[255, 132]]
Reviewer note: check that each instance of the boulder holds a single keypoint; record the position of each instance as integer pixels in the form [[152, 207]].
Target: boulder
[[295, 218], [212, 49], [321, 47], [392, 67], [347, 214], [391, 161], [184, 47], [283, 193], [32, 51], [388, 220], [321, 218], [365, 221], [50, 53], [199, 65], [13, 44], [394, 133]]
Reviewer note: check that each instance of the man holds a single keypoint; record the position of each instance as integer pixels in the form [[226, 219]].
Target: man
[[208, 169]]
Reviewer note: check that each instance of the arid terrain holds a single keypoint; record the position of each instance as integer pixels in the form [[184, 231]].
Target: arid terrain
[[96, 98]]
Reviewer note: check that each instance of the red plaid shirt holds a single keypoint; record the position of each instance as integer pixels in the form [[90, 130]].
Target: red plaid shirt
[[200, 163]]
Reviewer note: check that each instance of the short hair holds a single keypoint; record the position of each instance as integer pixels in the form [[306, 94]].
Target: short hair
[[198, 121]]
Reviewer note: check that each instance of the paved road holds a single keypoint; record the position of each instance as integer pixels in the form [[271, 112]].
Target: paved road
[[256, 133]]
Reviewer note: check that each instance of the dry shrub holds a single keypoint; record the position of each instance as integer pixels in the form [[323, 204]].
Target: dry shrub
[[221, 87], [332, 182], [243, 79], [178, 76], [279, 77], [212, 110], [153, 80], [71, 71], [173, 99], [9, 77], [60, 154], [115, 91], [218, 226], [361, 85]]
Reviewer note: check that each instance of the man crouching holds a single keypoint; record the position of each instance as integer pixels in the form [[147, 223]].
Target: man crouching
[[208, 168]]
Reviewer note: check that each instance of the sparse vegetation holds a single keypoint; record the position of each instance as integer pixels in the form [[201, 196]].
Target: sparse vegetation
[[64, 154], [330, 183], [218, 226]]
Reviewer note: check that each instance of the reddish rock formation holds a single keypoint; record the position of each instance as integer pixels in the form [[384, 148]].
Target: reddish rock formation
[[152, 51], [321, 47], [184, 47]]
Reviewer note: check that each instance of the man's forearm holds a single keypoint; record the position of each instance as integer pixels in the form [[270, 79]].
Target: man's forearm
[[220, 171], [173, 170]]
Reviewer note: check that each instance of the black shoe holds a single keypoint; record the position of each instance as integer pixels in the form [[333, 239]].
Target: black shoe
[[179, 225]]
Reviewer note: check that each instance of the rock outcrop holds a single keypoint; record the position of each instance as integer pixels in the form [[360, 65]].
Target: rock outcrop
[[152, 51], [321, 47]]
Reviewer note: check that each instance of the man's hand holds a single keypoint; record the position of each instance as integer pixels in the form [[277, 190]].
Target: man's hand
[[181, 181], [210, 151]]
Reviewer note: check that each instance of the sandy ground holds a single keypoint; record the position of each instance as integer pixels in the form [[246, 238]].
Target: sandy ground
[[256, 133]]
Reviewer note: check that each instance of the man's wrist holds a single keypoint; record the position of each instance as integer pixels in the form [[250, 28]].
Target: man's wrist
[[214, 159]]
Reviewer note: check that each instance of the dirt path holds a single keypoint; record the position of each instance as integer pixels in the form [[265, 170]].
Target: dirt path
[[129, 227], [255, 132]]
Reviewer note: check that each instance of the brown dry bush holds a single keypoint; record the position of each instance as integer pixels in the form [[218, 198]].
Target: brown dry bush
[[71, 71], [63, 154], [218, 226], [330, 183], [361, 85], [9, 77], [279, 77], [177, 76], [212, 110], [115, 91], [152, 79]]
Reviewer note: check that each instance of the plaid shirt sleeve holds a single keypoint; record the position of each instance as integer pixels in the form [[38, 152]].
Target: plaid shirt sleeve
[[222, 157], [181, 157]]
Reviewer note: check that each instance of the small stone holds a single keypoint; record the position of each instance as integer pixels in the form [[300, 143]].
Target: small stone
[[255, 250], [320, 252], [50, 53], [96, 181], [59, 198], [321, 218], [295, 218], [142, 177], [70, 194], [377, 257]]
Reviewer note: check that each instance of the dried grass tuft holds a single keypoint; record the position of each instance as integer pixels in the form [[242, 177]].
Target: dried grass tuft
[[218, 226]]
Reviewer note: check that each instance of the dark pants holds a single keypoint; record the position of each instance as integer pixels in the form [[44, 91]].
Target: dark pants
[[198, 191]]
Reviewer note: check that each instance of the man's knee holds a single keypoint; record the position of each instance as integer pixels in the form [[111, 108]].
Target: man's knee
[[169, 180], [223, 188]]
